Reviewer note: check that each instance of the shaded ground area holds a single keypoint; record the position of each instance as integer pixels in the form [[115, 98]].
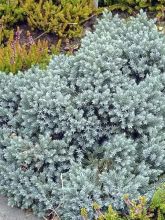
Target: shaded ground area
[[8, 213]]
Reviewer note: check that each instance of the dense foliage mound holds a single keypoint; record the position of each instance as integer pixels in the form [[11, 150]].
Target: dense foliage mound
[[91, 126]]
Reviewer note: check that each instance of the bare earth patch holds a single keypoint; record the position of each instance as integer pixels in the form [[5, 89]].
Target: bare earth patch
[[8, 213]]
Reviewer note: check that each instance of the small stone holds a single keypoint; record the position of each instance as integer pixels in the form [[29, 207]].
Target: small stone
[[160, 28]]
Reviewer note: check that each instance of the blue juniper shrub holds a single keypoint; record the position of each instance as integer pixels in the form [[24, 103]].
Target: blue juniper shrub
[[91, 126]]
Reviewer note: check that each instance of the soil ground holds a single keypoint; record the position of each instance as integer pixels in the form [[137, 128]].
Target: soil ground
[[8, 213]]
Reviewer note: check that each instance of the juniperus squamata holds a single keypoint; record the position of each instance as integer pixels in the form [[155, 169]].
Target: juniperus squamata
[[96, 119]]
